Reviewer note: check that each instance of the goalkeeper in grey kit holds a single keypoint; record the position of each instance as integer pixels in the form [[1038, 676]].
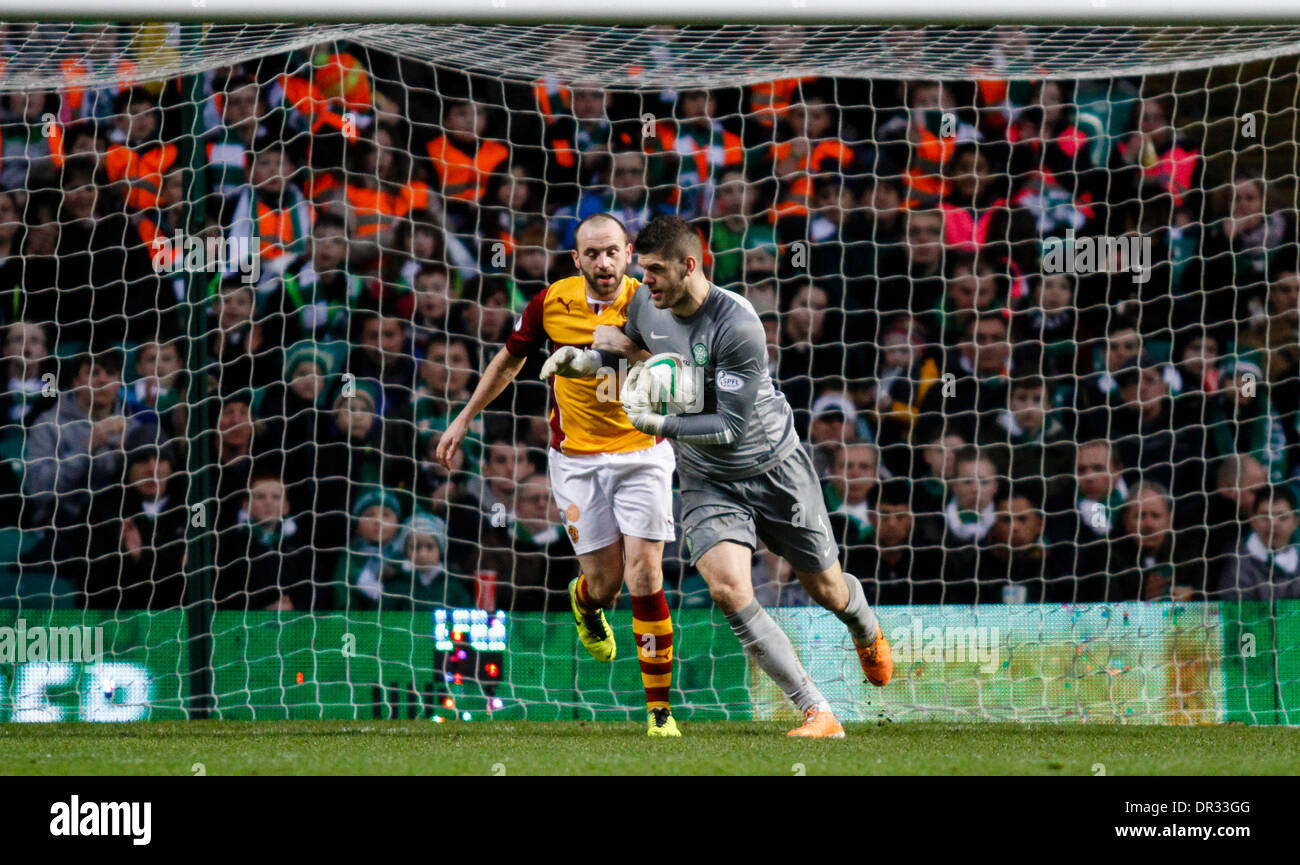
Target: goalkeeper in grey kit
[[743, 476]]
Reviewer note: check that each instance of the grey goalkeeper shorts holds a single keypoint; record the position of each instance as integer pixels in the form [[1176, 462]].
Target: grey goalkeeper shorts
[[783, 507]]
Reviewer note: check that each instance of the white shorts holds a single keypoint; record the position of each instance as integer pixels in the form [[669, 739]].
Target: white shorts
[[605, 496]]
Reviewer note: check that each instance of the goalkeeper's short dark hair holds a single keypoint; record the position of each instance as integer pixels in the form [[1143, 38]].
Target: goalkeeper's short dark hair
[[669, 237]]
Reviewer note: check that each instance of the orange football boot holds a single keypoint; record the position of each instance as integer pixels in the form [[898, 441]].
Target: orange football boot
[[877, 660], [819, 724]]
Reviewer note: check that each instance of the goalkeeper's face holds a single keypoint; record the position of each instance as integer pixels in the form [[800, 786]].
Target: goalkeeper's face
[[665, 279], [602, 255]]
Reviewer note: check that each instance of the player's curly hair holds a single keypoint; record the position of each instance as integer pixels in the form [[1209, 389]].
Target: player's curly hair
[[669, 237]]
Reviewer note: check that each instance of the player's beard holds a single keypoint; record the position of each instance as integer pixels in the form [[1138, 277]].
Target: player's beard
[[594, 289]]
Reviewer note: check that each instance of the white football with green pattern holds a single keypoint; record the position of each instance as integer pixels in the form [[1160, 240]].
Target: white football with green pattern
[[674, 385]]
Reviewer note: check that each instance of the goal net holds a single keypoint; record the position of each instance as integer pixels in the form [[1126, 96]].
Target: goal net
[[1032, 293]]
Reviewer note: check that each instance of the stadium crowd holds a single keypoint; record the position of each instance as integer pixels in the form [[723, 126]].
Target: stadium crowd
[[990, 426]]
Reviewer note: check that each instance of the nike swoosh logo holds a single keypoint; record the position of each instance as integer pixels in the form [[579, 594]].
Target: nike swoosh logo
[[654, 335]]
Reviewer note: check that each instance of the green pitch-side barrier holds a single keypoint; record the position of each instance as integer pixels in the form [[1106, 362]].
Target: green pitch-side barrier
[[1123, 663]]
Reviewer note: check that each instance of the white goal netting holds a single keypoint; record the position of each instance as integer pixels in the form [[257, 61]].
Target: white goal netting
[[1031, 291]]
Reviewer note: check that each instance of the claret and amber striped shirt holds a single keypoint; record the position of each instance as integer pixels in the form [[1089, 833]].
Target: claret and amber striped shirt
[[582, 422]]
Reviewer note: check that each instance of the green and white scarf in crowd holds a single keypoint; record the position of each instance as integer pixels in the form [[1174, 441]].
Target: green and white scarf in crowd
[[1100, 516], [969, 525]]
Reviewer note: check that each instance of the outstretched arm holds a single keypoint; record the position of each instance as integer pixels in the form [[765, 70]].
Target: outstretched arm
[[499, 373]]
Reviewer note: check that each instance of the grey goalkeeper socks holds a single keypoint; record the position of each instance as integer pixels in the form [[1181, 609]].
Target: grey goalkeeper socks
[[858, 615], [770, 648]]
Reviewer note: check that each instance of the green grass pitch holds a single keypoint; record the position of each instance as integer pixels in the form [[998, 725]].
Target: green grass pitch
[[605, 748]]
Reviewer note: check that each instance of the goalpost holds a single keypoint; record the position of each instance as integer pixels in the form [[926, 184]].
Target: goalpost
[[250, 271]]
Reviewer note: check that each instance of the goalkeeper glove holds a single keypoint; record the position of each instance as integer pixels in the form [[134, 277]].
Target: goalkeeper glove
[[571, 362], [635, 396]]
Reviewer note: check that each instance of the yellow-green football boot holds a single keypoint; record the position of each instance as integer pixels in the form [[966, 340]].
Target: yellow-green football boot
[[593, 630], [662, 725]]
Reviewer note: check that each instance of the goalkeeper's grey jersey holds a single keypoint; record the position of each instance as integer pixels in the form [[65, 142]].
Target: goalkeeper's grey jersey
[[745, 425]]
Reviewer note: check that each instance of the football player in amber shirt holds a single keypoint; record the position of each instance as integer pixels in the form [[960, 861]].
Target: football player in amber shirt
[[612, 483]]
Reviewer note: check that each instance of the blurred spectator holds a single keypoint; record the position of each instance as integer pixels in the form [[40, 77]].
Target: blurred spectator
[[808, 149], [136, 556], [1232, 505], [380, 193], [1048, 141], [935, 471], [1239, 247], [244, 352], [1240, 418], [1198, 365], [464, 157], [1086, 518], [973, 386], [138, 158], [435, 317], [157, 387], [504, 468], [969, 513], [686, 154], [355, 445], [373, 550], [382, 353], [109, 285], [447, 379], [904, 375], [529, 266], [976, 219], [11, 261], [1121, 349], [317, 289], [894, 562], [811, 362], [242, 442], [26, 358], [1151, 431], [917, 143], [1156, 154], [487, 315], [732, 230], [530, 554], [75, 449], [1150, 561], [918, 284], [849, 488], [229, 146], [577, 145], [1018, 566], [420, 580], [1050, 318], [298, 410], [968, 518], [1267, 564], [26, 158], [270, 216], [971, 287], [1039, 443], [512, 205], [835, 422], [626, 196]]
